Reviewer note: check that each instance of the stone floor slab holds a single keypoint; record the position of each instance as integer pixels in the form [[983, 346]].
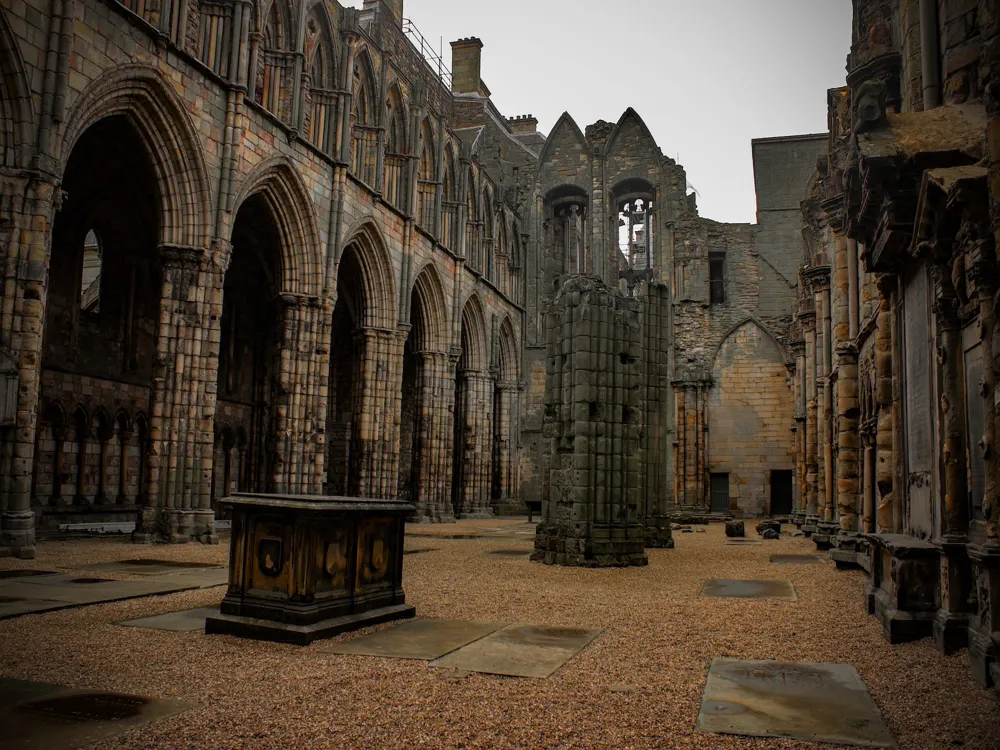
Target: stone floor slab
[[37, 716], [424, 639], [808, 702], [797, 560], [44, 593], [185, 621], [757, 589], [150, 567], [512, 553], [520, 651], [744, 542]]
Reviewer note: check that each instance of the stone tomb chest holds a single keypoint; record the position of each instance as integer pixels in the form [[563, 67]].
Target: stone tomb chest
[[304, 568]]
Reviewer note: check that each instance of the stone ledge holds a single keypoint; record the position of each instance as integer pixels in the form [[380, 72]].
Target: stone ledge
[[303, 635]]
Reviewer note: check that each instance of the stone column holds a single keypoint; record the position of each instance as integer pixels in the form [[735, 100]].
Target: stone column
[[827, 492], [847, 438], [378, 412], [181, 431], [435, 438], [476, 453], [27, 205], [812, 433], [884, 440], [300, 411], [503, 453]]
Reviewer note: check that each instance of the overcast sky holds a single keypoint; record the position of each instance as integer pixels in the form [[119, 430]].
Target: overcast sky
[[705, 75]]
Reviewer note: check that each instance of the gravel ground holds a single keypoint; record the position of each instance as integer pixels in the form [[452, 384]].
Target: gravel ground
[[637, 686]]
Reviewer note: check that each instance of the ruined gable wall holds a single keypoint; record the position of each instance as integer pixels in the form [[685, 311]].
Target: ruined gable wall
[[750, 415]]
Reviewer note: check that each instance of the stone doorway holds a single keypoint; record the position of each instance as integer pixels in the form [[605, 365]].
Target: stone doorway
[[720, 493], [781, 493]]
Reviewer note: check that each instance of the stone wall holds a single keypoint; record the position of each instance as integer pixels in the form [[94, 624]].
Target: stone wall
[[750, 417]]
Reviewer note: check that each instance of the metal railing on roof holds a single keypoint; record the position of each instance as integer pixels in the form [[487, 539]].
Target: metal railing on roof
[[434, 59]]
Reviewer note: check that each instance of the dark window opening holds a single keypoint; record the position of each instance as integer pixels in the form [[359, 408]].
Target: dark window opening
[[717, 278]]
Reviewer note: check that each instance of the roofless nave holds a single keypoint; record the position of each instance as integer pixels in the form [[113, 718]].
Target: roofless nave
[[267, 247]]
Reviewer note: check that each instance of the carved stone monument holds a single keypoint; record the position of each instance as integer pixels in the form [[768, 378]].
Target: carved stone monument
[[305, 568]]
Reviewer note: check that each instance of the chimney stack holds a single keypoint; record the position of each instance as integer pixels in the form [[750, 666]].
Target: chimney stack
[[523, 124], [466, 66]]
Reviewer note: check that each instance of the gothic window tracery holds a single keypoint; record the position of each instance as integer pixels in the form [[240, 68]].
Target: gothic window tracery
[[364, 133], [320, 93]]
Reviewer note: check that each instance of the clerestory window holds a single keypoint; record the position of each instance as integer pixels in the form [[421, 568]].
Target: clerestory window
[[717, 278]]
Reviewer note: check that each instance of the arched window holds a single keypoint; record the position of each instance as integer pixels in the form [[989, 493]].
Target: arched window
[[426, 184], [451, 204], [364, 134], [634, 200], [472, 224], [488, 237], [274, 68], [90, 275], [394, 182], [320, 105]]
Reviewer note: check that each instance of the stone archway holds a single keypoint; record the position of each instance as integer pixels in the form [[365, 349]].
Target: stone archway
[[473, 406], [425, 425], [362, 455], [103, 311]]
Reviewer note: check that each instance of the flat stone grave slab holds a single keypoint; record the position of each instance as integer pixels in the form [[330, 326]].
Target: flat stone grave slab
[[37, 716], [512, 553], [425, 639], [520, 651], [744, 542], [797, 560], [207, 578], [24, 573], [45, 593], [150, 567], [808, 702], [718, 588], [185, 621]]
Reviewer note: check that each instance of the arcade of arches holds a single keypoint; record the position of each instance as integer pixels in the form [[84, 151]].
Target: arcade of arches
[[292, 257]]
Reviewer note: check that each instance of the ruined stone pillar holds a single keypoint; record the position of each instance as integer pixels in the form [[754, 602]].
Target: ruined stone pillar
[[847, 437], [504, 467], [435, 438], [884, 397], [301, 409], [593, 421], [27, 205], [812, 433], [868, 478], [181, 431], [378, 409], [827, 491], [476, 453]]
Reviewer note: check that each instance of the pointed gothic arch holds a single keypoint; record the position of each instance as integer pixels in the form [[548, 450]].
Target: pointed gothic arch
[[17, 115], [142, 95], [279, 185]]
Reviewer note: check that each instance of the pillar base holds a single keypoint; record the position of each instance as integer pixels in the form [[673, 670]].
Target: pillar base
[[903, 587], [984, 625], [204, 527], [145, 526], [951, 626], [825, 535], [845, 550], [658, 533], [17, 534], [579, 544]]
